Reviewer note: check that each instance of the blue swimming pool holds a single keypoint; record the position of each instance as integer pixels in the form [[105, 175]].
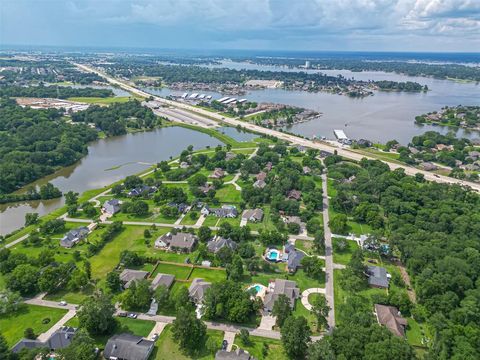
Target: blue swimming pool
[[273, 255]]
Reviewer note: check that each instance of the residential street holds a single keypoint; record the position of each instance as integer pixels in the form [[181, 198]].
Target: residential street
[[329, 267]]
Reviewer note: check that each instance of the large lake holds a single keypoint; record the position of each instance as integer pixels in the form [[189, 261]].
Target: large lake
[[108, 160], [382, 117]]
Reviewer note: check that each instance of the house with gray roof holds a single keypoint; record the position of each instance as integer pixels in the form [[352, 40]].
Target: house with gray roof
[[128, 347], [180, 241], [390, 317], [253, 215], [74, 236], [219, 242], [275, 289], [294, 194], [377, 277], [226, 211], [128, 276], [238, 354], [197, 289], [111, 206], [58, 340], [162, 280], [294, 260], [259, 184]]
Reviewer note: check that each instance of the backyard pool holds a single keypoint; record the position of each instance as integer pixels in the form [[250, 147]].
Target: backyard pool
[[257, 290], [272, 255]]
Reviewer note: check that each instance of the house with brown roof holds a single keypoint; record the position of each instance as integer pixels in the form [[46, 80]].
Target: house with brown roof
[[390, 317], [179, 241], [294, 195], [129, 276], [253, 215], [261, 176], [218, 173], [162, 280], [259, 184]]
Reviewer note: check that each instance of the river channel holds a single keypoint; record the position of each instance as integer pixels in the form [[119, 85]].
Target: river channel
[[108, 160]]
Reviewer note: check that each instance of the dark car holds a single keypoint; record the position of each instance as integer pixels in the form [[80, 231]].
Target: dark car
[[122, 314], [224, 344]]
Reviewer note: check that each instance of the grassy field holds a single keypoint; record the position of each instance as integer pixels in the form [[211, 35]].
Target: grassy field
[[229, 195], [180, 272], [166, 348], [274, 348], [100, 100], [344, 256], [29, 316], [208, 274]]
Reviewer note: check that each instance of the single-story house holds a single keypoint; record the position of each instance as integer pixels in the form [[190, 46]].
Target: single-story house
[[238, 354], [181, 207], [294, 260], [253, 215], [306, 170], [218, 173], [142, 190], [268, 166], [226, 211], [184, 165], [162, 280], [230, 155], [111, 206], [179, 241], [74, 236], [259, 184], [294, 195], [206, 188], [128, 347], [58, 340], [128, 276], [197, 289], [219, 242], [275, 289], [378, 277], [390, 317], [261, 176]]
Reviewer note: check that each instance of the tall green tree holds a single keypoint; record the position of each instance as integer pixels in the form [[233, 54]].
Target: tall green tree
[[281, 309], [189, 332], [320, 310], [295, 335], [96, 314]]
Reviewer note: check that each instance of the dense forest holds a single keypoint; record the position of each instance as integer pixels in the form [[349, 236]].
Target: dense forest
[[115, 119], [34, 143], [436, 228], [59, 92]]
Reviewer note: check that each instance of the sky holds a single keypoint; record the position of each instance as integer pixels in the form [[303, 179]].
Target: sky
[[311, 25]]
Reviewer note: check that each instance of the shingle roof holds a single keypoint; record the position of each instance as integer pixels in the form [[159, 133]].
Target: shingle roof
[[128, 347], [377, 276], [390, 317], [256, 214], [238, 354], [294, 259], [286, 287], [162, 279], [58, 340], [219, 242], [128, 276], [197, 289]]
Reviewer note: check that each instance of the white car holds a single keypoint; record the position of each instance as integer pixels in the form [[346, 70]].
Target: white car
[[62, 303]]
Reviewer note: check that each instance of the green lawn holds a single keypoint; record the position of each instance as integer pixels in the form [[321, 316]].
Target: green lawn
[[274, 348], [180, 272], [208, 274], [70, 297], [106, 260], [227, 194], [28, 316], [166, 348], [344, 256], [100, 100]]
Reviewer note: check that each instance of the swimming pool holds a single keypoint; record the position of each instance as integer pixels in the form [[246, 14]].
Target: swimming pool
[[257, 290], [273, 255]]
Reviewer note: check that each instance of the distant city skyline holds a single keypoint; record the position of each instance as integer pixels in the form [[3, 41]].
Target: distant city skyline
[[311, 25]]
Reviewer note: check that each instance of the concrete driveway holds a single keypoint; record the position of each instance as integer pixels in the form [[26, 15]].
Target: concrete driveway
[[307, 292]]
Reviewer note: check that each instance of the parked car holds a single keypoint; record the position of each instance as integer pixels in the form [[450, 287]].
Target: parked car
[[154, 337], [132, 316], [122, 314], [224, 344], [62, 303]]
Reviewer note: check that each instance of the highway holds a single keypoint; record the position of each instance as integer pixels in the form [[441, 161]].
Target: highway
[[297, 140]]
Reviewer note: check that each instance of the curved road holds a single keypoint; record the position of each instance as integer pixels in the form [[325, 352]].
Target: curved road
[[409, 170]]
